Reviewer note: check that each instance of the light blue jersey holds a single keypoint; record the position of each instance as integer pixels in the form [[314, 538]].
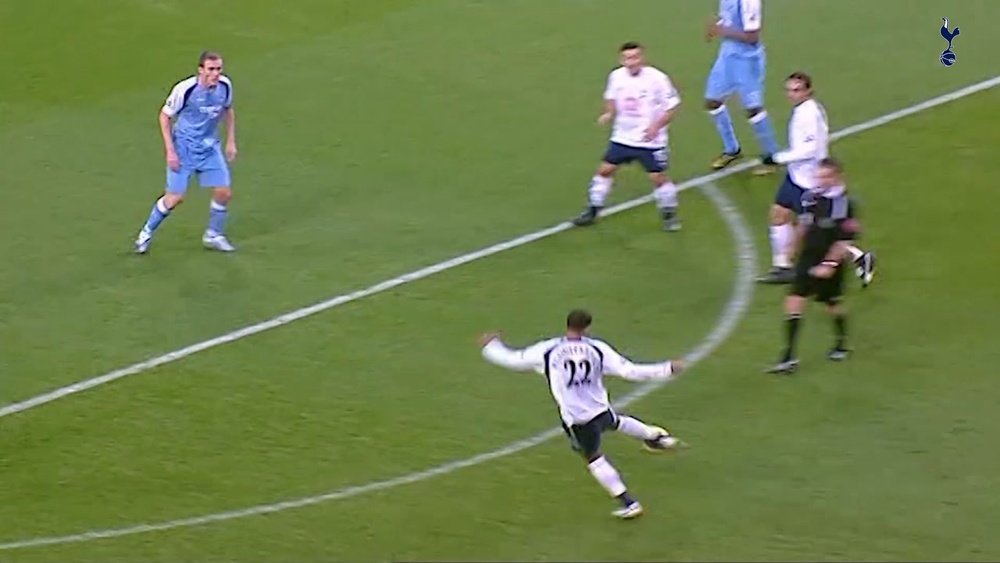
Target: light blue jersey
[[197, 110], [744, 15], [739, 67], [193, 111]]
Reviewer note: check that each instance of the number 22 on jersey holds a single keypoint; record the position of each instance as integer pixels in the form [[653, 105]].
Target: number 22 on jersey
[[579, 372]]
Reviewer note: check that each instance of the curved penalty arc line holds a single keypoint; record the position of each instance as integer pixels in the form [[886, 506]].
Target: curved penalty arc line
[[737, 305]]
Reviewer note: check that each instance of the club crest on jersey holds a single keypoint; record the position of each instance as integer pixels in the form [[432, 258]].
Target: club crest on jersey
[[210, 111]]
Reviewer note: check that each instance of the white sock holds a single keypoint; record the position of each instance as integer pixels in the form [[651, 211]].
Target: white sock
[[161, 205], [599, 189], [636, 428], [781, 241], [666, 195], [856, 252], [607, 476]]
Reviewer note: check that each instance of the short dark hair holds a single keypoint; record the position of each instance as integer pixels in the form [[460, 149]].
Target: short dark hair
[[629, 45], [832, 163], [578, 319], [802, 77], [208, 56]]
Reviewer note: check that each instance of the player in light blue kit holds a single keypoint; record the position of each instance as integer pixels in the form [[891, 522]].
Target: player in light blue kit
[[739, 68], [192, 146]]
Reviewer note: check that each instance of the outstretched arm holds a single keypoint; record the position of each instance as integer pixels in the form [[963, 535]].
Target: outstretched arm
[[526, 359], [616, 364]]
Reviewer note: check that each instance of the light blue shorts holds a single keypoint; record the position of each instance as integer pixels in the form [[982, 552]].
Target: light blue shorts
[[210, 167], [737, 74]]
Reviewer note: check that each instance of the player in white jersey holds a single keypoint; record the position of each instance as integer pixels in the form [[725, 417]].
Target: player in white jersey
[[808, 141], [574, 366], [641, 100]]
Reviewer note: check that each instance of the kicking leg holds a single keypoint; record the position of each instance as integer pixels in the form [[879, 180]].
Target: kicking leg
[[654, 438]]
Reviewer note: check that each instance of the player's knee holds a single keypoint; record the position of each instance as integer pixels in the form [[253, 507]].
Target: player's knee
[[751, 112], [794, 305], [222, 195], [606, 170], [779, 215], [658, 178], [712, 105], [172, 200]]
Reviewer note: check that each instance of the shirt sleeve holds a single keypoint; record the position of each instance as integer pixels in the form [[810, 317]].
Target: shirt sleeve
[[229, 91], [176, 98], [526, 359], [618, 365], [752, 16], [669, 97], [609, 89]]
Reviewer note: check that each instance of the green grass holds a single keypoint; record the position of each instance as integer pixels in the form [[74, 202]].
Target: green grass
[[379, 137]]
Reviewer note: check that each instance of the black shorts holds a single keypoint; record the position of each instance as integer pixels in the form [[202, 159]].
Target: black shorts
[[825, 290], [586, 437], [789, 195], [652, 160]]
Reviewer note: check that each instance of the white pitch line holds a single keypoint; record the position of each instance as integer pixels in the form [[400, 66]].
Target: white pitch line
[[339, 300], [732, 313]]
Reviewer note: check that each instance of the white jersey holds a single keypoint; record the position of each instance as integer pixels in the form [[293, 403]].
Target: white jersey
[[639, 101], [808, 143], [575, 370]]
